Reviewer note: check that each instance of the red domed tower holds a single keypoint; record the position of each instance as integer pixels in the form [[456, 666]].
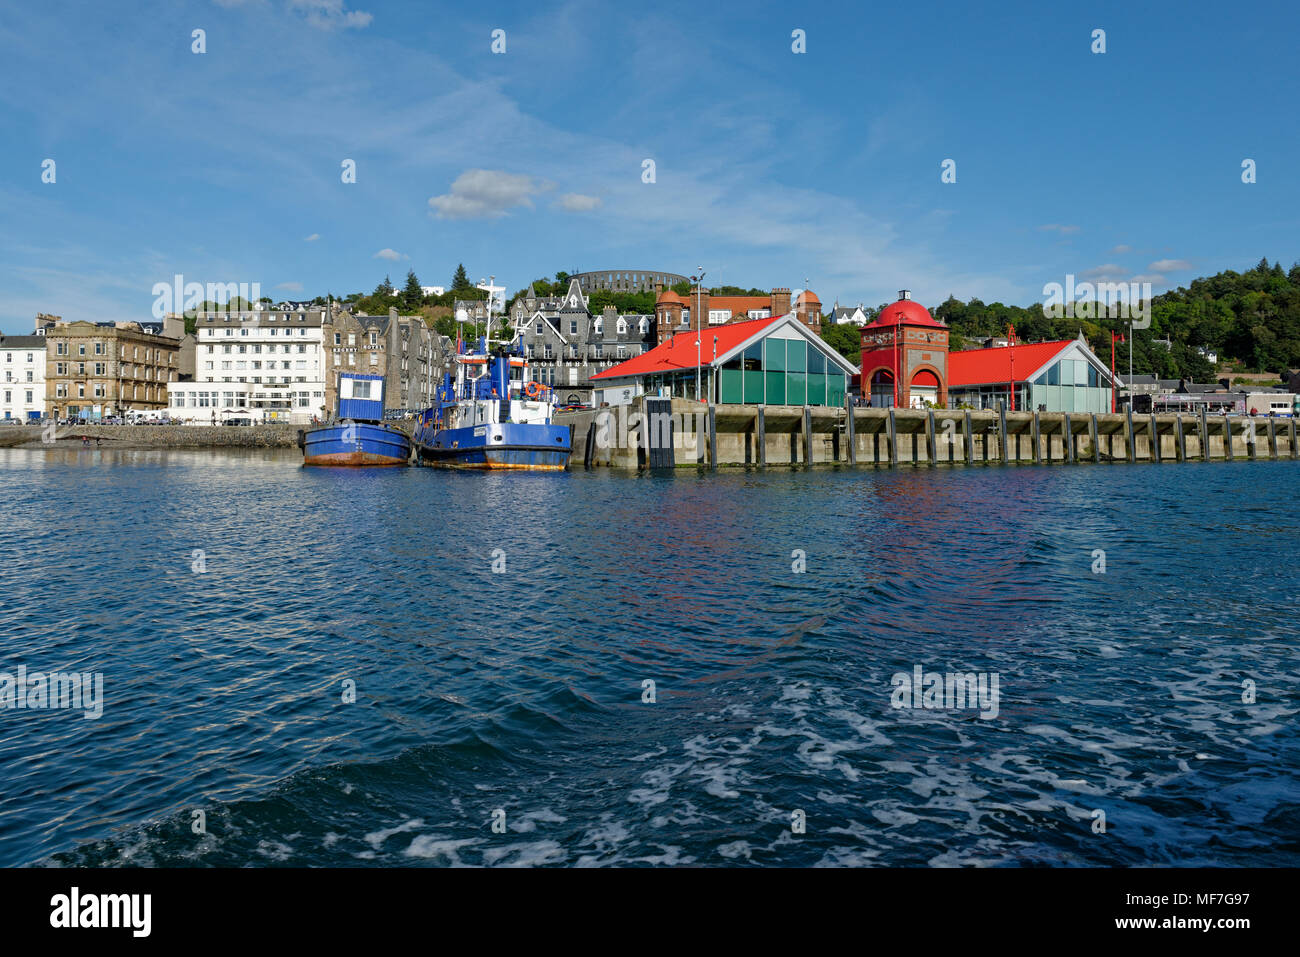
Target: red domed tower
[[905, 356]]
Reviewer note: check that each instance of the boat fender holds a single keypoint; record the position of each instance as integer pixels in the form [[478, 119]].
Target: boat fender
[[302, 439]]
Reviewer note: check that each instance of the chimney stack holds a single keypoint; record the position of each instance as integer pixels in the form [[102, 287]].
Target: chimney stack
[[780, 301]]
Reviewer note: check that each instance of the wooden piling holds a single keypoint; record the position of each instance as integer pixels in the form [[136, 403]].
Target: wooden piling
[[1227, 438], [1205, 435], [1132, 448], [893, 440], [807, 435], [1272, 440], [1067, 438], [929, 438], [850, 433], [1154, 439], [1291, 435], [1096, 445], [1002, 432], [970, 441], [1180, 447], [1035, 440], [713, 437], [762, 438]]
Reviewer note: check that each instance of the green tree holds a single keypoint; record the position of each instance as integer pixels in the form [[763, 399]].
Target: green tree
[[460, 282], [412, 294], [846, 339]]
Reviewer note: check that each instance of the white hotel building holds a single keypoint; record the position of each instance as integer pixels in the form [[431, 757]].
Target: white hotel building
[[267, 365], [22, 377]]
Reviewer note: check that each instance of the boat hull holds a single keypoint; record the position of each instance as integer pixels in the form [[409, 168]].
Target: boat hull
[[505, 446], [356, 445]]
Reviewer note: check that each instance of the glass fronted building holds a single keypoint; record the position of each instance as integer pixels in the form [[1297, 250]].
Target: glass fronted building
[[1063, 376], [769, 361]]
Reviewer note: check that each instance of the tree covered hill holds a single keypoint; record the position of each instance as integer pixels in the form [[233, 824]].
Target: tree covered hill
[[1250, 319]]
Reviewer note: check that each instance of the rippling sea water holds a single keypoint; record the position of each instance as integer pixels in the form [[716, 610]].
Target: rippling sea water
[[522, 692]]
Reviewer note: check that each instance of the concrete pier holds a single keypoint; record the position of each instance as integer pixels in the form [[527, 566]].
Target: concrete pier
[[782, 435]]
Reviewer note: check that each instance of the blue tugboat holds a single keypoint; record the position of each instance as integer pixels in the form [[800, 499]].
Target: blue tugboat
[[358, 436], [492, 417]]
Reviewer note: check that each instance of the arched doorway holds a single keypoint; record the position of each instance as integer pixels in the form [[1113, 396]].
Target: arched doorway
[[924, 388], [882, 389]]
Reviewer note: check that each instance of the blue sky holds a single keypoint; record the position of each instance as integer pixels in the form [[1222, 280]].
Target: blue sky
[[772, 167]]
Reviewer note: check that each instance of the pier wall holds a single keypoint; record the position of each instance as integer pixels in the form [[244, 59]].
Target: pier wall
[[271, 436], [800, 435]]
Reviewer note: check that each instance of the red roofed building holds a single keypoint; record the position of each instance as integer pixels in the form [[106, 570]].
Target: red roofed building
[[675, 313], [1061, 376], [775, 360], [905, 356]]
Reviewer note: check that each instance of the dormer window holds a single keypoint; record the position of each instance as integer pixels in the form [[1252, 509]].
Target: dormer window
[[622, 327], [598, 326]]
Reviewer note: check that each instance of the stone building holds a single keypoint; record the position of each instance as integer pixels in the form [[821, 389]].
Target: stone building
[[627, 280], [22, 369], [410, 356], [98, 369]]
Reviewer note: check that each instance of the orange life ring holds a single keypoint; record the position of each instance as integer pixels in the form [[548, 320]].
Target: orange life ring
[[533, 389]]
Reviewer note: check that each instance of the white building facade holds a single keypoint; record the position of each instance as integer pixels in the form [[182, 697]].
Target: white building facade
[[267, 365], [22, 377]]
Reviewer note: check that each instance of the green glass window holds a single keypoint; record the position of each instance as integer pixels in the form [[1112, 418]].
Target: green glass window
[[795, 387], [816, 389], [816, 362], [835, 388], [796, 356], [754, 388], [733, 386], [775, 385], [774, 355]]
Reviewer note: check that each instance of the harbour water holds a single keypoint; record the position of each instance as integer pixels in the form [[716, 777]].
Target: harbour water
[[228, 598]]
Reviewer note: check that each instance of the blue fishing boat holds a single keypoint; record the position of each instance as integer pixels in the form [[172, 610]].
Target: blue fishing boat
[[358, 436], [491, 417]]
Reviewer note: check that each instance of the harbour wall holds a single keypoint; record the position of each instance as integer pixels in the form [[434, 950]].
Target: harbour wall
[[725, 435], [157, 436]]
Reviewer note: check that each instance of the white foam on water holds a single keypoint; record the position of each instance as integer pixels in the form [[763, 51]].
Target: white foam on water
[[736, 849], [528, 855], [526, 823], [376, 838], [433, 846]]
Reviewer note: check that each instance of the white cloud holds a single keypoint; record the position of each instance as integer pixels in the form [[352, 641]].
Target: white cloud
[[312, 238], [1153, 278], [392, 255], [329, 14], [290, 286], [486, 193], [1110, 272], [1120, 250], [577, 203], [1170, 265], [1059, 228]]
